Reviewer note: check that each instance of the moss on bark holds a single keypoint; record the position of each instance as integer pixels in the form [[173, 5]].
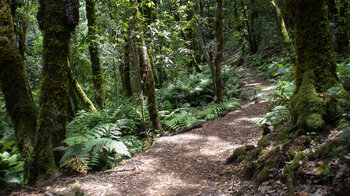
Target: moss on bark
[[94, 55], [281, 25], [124, 68], [51, 127], [220, 49], [149, 87], [77, 89], [315, 65], [290, 170], [14, 85]]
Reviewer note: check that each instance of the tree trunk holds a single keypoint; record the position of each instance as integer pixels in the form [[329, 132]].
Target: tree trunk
[[203, 47], [58, 19], [281, 25], [342, 31], [14, 85], [77, 89], [124, 69], [249, 23], [219, 51], [191, 61], [148, 82], [146, 73], [95, 59], [315, 66]]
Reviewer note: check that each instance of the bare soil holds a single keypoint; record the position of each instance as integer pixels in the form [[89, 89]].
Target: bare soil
[[191, 163]]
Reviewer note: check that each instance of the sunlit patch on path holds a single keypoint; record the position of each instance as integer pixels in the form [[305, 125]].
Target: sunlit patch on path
[[186, 164]]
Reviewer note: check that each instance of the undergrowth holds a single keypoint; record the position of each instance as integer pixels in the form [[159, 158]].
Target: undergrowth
[[11, 163], [187, 116], [99, 140]]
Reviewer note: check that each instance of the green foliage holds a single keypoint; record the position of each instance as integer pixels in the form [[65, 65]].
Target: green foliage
[[283, 92], [197, 89], [343, 72], [187, 116], [99, 140], [273, 68], [11, 165], [6, 126]]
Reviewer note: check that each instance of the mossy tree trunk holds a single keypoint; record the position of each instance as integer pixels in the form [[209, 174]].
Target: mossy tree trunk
[[14, 85], [315, 65], [94, 54], [149, 88], [342, 32], [78, 90], [250, 25], [146, 73], [281, 25], [124, 68], [219, 51], [191, 61], [57, 19]]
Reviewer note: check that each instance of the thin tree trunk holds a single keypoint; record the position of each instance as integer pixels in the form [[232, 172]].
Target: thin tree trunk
[[148, 82], [203, 47], [94, 55], [14, 86], [342, 31], [249, 24], [124, 68], [281, 25], [219, 51], [78, 90], [147, 76], [138, 79]]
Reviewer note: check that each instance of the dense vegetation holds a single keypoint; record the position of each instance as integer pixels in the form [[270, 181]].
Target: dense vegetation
[[86, 84]]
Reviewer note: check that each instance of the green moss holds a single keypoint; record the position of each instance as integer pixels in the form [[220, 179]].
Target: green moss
[[94, 55], [14, 86], [290, 170], [292, 150], [327, 148], [315, 66], [241, 153], [307, 107], [263, 174], [263, 142]]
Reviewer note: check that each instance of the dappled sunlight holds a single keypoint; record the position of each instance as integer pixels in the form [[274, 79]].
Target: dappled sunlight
[[166, 183]]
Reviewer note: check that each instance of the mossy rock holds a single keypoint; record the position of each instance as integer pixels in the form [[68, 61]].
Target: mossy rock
[[239, 154]]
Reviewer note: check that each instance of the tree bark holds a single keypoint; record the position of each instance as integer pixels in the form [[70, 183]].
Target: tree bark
[[146, 74], [14, 85], [124, 68], [342, 31], [219, 51], [58, 20], [315, 66], [250, 26], [78, 90], [94, 55], [148, 82], [281, 25]]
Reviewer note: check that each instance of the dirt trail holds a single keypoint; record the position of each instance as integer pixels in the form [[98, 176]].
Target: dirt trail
[[187, 164]]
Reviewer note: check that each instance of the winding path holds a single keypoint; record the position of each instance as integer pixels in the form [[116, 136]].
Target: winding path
[[186, 164]]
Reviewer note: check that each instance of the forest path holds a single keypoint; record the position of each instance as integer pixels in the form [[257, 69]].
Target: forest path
[[186, 164]]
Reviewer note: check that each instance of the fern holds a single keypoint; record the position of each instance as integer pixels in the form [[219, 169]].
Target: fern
[[187, 116], [94, 139], [11, 163]]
